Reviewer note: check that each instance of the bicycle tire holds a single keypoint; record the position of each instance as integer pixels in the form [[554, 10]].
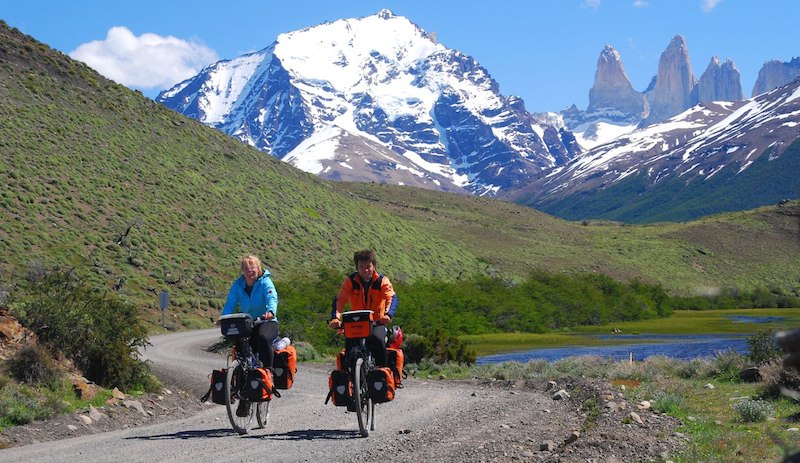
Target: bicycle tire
[[361, 397], [240, 424], [262, 414]]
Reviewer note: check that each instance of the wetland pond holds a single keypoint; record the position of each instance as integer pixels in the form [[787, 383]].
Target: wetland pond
[[641, 346]]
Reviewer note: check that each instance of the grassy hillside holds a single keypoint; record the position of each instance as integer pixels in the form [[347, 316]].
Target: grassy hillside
[[749, 249], [141, 199]]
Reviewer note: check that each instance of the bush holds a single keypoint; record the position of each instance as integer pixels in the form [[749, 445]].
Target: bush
[[774, 376], [97, 330], [690, 368], [726, 366], [440, 348], [305, 351], [19, 404], [664, 402], [533, 369], [585, 366], [34, 366], [763, 347], [752, 411], [416, 348]]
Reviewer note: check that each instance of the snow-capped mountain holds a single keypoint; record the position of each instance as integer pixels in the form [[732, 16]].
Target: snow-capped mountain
[[377, 99], [731, 145]]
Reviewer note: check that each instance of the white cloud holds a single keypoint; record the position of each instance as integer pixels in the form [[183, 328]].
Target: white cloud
[[709, 5], [149, 61], [593, 4], [640, 4]]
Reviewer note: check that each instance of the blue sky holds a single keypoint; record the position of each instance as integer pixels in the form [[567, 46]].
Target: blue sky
[[542, 50]]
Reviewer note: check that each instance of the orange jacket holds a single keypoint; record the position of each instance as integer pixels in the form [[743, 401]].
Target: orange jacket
[[380, 297]]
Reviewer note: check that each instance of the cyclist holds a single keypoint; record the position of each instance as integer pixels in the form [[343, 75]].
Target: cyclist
[[366, 289], [254, 293]]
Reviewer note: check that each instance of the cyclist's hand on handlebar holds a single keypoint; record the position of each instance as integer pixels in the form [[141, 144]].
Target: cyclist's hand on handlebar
[[335, 323], [385, 320]]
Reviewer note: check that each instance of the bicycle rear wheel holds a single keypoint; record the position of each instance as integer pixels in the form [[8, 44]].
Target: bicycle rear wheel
[[262, 414], [240, 424], [361, 397]]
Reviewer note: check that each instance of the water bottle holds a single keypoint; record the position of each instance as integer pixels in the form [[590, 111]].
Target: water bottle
[[280, 344]]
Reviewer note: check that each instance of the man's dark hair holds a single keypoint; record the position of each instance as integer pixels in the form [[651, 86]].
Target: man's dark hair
[[365, 255]]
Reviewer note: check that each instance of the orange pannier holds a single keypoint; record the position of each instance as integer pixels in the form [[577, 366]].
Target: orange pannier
[[285, 366]]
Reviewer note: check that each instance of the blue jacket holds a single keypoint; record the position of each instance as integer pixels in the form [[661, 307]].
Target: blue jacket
[[263, 298]]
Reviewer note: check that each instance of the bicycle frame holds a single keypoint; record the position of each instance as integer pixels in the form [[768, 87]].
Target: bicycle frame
[[239, 363], [357, 326]]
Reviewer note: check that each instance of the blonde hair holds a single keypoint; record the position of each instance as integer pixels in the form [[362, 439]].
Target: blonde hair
[[250, 258]]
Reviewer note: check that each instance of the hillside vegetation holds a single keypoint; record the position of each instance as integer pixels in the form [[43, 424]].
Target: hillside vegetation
[[139, 199]]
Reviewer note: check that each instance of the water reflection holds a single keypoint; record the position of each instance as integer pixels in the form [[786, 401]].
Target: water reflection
[[683, 347], [751, 319]]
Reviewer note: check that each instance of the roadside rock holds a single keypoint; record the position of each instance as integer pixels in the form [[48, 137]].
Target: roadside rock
[[151, 409]]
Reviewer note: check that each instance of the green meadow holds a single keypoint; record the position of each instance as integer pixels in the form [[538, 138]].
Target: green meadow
[[680, 322]]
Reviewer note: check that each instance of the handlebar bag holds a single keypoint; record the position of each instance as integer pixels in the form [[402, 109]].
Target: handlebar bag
[[236, 325]]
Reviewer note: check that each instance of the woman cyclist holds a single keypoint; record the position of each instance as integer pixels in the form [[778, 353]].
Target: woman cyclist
[[254, 293]]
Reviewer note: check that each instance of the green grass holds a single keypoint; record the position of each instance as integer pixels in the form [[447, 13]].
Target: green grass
[[680, 322], [703, 322], [717, 431], [21, 404]]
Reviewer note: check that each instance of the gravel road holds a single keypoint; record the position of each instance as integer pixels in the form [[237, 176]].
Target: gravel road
[[429, 420]]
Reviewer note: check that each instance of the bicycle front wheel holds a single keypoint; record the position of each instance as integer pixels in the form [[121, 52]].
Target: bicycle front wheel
[[361, 397], [233, 401]]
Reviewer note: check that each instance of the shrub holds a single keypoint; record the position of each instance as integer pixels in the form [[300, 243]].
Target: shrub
[[763, 347], [774, 376], [33, 365], [690, 368], [19, 404], [656, 366], [664, 402], [585, 366], [416, 347], [97, 330], [726, 365], [305, 351], [752, 411]]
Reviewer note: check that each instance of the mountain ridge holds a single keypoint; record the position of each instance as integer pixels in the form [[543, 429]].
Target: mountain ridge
[[690, 149]]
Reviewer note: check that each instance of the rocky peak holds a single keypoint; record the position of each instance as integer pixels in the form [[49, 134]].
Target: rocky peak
[[385, 14], [774, 74], [720, 82], [675, 82], [612, 90]]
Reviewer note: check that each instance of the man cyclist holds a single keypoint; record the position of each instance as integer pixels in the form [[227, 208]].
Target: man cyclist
[[366, 289]]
